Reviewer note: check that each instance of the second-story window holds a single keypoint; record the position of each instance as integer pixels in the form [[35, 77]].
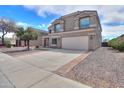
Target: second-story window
[[58, 27], [84, 22], [50, 31]]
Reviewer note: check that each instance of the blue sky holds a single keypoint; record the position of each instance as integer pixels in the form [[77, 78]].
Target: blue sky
[[111, 17], [26, 17]]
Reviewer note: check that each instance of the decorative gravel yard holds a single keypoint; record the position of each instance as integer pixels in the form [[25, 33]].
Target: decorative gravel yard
[[103, 68]]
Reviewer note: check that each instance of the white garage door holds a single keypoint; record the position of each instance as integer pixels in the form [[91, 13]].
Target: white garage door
[[78, 43]]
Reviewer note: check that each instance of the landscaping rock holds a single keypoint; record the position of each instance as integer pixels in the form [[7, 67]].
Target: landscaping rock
[[103, 68]]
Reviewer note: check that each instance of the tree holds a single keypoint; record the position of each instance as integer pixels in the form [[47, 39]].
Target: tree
[[28, 35], [6, 25], [19, 34]]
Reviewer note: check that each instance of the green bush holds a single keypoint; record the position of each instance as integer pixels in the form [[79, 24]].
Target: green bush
[[121, 47], [8, 44], [117, 43], [112, 42], [115, 46]]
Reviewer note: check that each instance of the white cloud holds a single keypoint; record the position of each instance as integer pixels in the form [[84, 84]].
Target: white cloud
[[39, 26], [43, 25], [109, 14], [110, 32], [23, 24], [56, 9]]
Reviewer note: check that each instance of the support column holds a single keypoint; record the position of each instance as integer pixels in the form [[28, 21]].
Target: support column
[[76, 23]]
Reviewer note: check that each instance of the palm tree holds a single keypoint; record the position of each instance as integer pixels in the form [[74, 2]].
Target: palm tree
[[19, 34], [29, 34]]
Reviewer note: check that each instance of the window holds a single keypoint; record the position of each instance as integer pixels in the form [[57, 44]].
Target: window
[[58, 27], [54, 41], [84, 22], [50, 31]]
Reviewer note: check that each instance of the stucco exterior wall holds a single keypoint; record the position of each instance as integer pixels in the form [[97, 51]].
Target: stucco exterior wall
[[71, 28], [73, 34], [37, 42], [69, 23]]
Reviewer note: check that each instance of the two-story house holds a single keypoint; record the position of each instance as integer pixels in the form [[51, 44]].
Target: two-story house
[[80, 30]]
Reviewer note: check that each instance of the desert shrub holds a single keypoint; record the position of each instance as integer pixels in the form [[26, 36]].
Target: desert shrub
[[112, 42], [8, 44], [121, 46], [117, 43], [114, 47]]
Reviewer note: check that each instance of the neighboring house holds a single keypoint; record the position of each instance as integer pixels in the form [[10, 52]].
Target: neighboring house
[[13, 40], [0, 41], [38, 42], [80, 30]]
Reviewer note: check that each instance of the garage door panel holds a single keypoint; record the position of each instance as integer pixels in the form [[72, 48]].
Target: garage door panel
[[78, 43]]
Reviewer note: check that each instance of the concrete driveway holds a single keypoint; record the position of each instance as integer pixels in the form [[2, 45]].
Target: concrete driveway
[[35, 70], [50, 60]]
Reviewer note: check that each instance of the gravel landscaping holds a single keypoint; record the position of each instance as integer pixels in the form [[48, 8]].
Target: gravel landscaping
[[103, 68]]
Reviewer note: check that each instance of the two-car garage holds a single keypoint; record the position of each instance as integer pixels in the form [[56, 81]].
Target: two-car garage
[[77, 43]]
